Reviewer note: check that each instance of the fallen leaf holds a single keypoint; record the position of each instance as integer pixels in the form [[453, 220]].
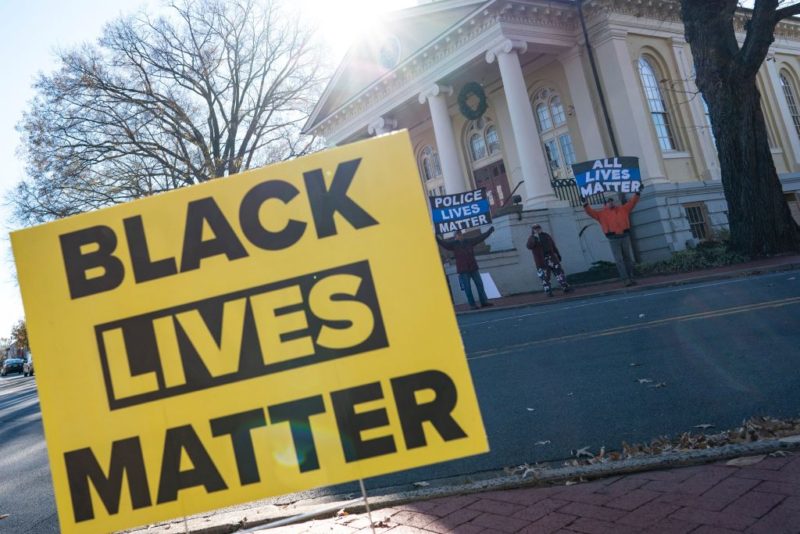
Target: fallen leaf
[[779, 454], [422, 484], [570, 394], [582, 453], [704, 426], [570, 482], [634, 364], [644, 381], [545, 442], [641, 316], [384, 523], [530, 471], [745, 460], [342, 513], [530, 409], [659, 385]]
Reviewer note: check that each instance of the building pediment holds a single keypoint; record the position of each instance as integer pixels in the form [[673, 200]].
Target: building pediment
[[391, 42]]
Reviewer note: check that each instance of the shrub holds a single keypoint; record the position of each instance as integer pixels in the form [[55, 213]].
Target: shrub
[[705, 255]]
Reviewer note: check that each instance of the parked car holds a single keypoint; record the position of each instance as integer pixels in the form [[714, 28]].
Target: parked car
[[11, 365], [27, 368]]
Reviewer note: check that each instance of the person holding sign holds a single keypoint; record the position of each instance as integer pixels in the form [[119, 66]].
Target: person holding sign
[[616, 224], [463, 249], [547, 259]]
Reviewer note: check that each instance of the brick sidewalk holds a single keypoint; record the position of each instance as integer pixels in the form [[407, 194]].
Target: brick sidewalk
[[716, 498]]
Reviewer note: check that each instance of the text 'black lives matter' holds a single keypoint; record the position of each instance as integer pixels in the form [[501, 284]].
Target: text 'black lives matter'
[[245, 334]]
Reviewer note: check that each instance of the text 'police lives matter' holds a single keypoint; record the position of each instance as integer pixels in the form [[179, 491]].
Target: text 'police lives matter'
[[460, 211]]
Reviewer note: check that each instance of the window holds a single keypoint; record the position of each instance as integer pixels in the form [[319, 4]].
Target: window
[[492, 140], [554, 133], [698, 220], [557, 111], [429, 163], [708, 120], [477, 146], [658, 108], [790, 93], [483, 142], [565, 141], [543, 116]]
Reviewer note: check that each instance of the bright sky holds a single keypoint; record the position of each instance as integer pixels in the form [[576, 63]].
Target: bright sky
[[32, 29]]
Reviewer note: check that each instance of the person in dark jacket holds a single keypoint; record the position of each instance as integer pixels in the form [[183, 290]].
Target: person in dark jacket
[[466, 264], [547, 259]]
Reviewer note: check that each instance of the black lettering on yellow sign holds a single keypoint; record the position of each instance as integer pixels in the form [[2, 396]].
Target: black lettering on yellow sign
[[258, 331], [325, 202], [127, 461]]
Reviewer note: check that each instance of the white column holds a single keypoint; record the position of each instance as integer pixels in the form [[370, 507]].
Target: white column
[[454, 181], [627, 107], [381, 125], [785, 115], [708, 151], [585, 109], [534, 168]]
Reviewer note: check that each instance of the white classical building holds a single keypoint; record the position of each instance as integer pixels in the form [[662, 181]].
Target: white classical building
[[544, 111]]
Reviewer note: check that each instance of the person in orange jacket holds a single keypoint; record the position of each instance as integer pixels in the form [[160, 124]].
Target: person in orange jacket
[[616, 224]]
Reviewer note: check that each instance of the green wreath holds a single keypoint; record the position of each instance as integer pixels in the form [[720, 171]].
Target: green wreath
[[472, 112]]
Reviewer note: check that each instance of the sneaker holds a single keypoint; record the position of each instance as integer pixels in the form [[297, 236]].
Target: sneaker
[[568, 289], [549, 293]]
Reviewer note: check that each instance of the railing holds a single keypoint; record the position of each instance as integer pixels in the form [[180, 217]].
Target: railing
[[567, 189]]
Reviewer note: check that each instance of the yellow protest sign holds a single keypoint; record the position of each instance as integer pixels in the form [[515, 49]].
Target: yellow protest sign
[[278, 330]]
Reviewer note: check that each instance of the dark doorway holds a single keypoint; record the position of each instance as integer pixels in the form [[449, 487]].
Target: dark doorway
[[493, 178]]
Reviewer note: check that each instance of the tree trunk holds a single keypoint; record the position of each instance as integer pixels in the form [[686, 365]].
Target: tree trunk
[[758, 216]]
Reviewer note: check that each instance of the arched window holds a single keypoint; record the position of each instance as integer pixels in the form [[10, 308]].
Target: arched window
[[429, 163], [543, 116], [482, 140], [554, 133], [492, 141], [477, 147], [557, 111], [658, 108], [790, 92]]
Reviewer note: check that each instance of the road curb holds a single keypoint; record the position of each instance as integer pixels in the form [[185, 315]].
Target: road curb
[[543, 478], [740, 273]]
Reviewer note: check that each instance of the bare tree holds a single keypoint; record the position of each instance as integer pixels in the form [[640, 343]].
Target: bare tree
[[211, 88], [760, 221]]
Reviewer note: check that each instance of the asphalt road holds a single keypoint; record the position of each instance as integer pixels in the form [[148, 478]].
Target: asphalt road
[[552, 378], [555, 378], [26, 491]]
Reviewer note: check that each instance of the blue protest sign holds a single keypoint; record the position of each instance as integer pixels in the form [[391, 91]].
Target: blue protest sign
[[461, 211], [609, 175]]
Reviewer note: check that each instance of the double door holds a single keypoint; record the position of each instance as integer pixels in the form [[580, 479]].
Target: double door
[[493, 178]]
